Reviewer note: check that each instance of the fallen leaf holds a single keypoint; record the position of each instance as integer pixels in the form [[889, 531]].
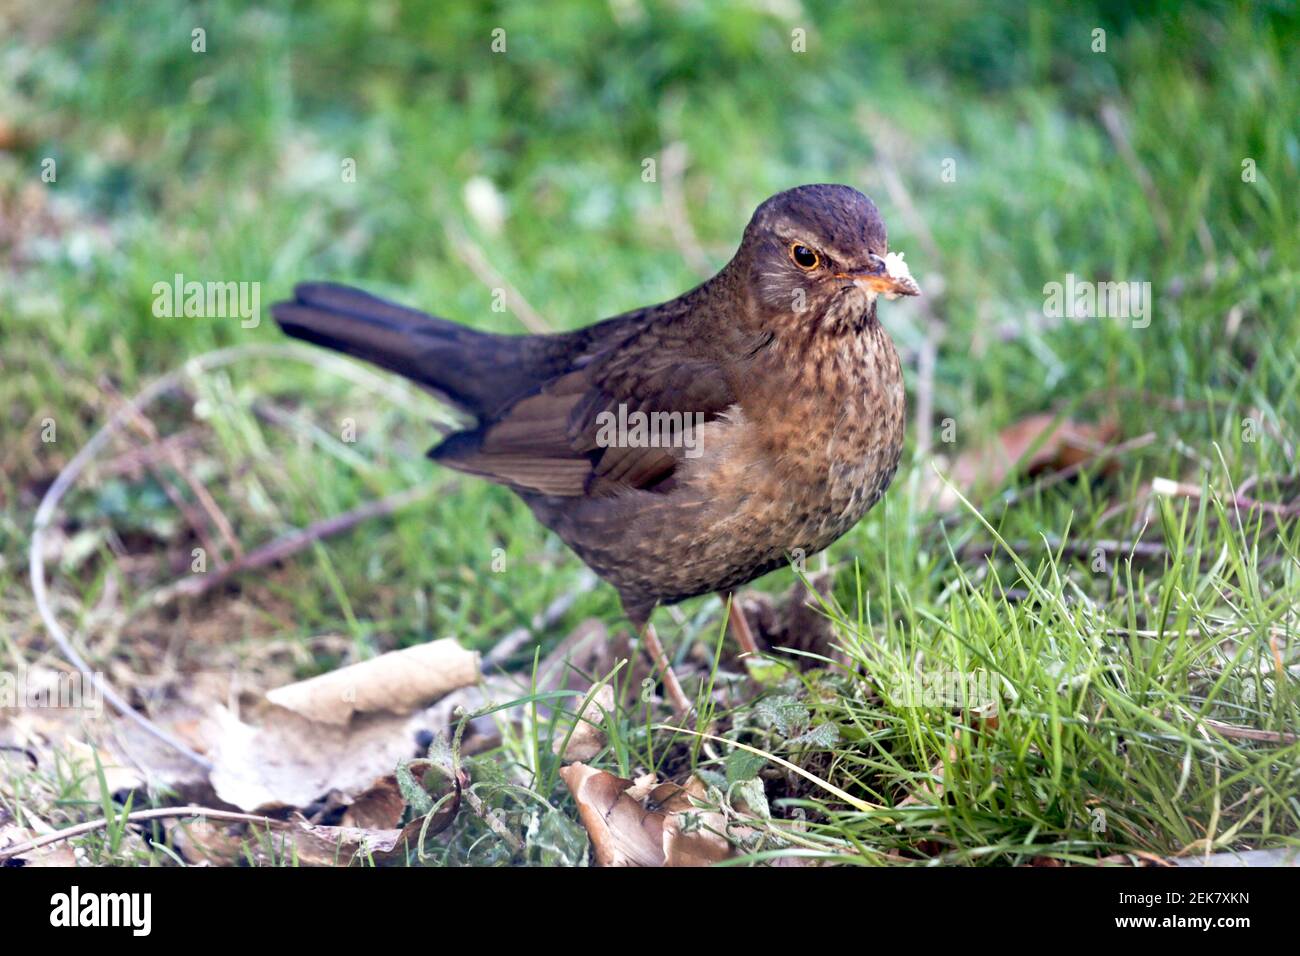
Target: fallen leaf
[[290, 761], [397, 682], [337, 732], [132, 758], [693, 835], [9, 137], [622, 833], [116, 777], [795, 620], [1036, 444], [51, 854], [668, 829], [384, 802], [293, 841], [588, 737], [369, 830], [378, 808], [642, 786]]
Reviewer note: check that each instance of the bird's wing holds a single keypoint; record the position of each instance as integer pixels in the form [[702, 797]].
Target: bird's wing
[[563, 438]]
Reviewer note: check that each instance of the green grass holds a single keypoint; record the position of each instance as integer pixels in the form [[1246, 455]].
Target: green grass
[[225, 165]]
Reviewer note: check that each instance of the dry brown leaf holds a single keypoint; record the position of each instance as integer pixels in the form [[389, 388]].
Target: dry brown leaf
[[337, 732], [379, 808], [212, 843], [397, 682], [131, 757], [290, 761], [693, 836], [1057, 444], [588, 737], [931, 790], [369, 830], [52, 854], [116, 776], [622, 832], [668, 830], [794, 620], [339, 846], [642, 786], [8, 135], [277, 841]]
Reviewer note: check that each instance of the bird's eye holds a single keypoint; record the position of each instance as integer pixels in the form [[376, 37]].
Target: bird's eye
[[804, 257]]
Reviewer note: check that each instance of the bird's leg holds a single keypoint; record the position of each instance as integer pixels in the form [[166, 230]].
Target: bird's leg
[[681, 704], [739, 626]]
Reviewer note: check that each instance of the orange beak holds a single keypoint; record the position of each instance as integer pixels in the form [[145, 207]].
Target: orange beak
[[881, 282]]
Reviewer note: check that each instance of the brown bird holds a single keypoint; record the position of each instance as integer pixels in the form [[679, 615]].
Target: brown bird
[[683, 448]]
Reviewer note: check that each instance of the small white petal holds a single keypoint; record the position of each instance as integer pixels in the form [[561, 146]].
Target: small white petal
[[485, 204]]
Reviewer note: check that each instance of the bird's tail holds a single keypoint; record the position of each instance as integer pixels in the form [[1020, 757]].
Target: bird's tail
[[469, 368]]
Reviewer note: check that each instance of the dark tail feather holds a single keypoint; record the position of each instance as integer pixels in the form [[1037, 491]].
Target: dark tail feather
[[464, 365]]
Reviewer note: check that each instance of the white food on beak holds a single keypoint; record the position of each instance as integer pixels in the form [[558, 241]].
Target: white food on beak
[[896, 267], [897, 270]]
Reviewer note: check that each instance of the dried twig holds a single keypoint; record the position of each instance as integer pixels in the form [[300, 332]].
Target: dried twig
[[494, 823], [672, 166], [157, 813], [1149, 550], [506, 646], [1068, 472], [194, 517], [1250, 733], [293, 542], [479, 264], [137, 458], [1243, 733], [1167, 487]]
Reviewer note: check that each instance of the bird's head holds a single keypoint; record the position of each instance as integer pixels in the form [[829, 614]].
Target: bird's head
[[816, 258]]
